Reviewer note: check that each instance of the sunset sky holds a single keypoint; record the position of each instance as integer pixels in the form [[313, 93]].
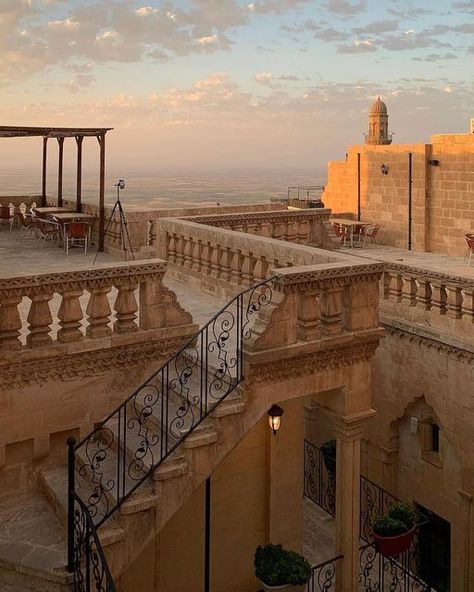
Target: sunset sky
[[211, 83]]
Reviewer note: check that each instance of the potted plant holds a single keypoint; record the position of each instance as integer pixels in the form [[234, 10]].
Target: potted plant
[[394, 532], [328, 450], [280, 569]]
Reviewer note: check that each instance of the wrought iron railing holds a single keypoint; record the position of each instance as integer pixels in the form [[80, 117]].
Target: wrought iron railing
[[400, 573], [323, 576], [319, 483], [135, 439], [379, 573]]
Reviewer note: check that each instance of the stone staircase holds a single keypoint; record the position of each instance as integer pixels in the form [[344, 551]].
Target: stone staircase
[[146, 511]]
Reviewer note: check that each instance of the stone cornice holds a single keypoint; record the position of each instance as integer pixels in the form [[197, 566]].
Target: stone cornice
[[326, 276], [259, 217], [21, 373], [462, 355], [134, 273], [311, 363], [420, 273]]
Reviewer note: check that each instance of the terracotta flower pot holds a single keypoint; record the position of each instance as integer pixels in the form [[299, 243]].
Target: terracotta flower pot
[[394, 545]]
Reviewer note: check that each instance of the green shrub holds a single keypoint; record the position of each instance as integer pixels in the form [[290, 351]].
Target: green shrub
[[276, 566], [329, 448], [389, 527], [404, 513]]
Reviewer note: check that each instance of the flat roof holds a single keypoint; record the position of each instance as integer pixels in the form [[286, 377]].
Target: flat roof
[[8, 131]]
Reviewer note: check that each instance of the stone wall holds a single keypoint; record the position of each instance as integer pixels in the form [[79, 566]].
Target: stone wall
[[442, 208], [256, 498]]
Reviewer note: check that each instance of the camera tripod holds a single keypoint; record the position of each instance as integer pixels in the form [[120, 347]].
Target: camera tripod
[[124, 235]]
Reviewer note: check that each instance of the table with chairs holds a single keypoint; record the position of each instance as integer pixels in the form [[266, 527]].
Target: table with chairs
[[354, 233], [54, 225]]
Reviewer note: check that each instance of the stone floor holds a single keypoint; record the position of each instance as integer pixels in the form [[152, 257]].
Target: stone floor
[[429, 261], [30, 532], [319, 539]]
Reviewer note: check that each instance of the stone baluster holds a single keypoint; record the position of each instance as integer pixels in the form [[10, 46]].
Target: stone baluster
[[260, 268], [10, 322], [172, 248], [395, 286], [468, 304], [179, 246], [39, 319], [423, 293], [187, 252], [454, 300], [236, 267], [196, 256], [206, 258], [215, 268], [225, 264], [292, 232], [409, 289], [266, 229], [98, 312], [309, 316], [151, 232], [331, 311], [247, 267], [126, 308], [70, 315], [439, 297]]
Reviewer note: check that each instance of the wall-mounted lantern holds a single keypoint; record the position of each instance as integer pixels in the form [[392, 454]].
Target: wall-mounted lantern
[[274, 418], [384, 169]]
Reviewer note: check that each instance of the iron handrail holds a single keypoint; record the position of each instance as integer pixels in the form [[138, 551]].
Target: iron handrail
[[103, 436]]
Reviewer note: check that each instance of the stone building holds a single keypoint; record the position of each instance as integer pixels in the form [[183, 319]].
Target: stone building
[[164, 369]]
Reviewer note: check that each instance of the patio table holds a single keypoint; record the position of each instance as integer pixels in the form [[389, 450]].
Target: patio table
[[350, 225], [72, 216]]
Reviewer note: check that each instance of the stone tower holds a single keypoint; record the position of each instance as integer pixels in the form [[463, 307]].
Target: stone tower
[[378, 124]]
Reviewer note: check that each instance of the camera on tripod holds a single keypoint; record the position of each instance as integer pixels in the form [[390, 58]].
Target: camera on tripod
[[124, 237]]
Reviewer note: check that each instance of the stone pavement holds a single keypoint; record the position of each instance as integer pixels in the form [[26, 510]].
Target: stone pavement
[[319, 539], [429, 261], [31, 534]]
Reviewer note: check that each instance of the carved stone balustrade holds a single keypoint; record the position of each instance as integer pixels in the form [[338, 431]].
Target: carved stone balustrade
[[75, 306], [435, 300], [306, 227]]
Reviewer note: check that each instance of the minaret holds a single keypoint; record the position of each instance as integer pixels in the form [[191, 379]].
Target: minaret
[[378, 124]]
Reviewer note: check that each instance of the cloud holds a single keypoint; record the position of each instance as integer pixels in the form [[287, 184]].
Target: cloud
[[465, 6], [345, 7], [375, 27], [436, 57], [264, 77], [359, 46]]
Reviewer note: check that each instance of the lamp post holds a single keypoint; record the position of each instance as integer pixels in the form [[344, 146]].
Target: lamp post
[[274, 418]]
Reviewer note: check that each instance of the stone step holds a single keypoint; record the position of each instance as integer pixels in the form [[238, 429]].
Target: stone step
[[228, 407], [19, 578], [54, 483], [174, 466], [204, 435]]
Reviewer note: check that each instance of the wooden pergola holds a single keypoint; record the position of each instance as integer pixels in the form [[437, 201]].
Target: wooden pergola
[[61, 133]]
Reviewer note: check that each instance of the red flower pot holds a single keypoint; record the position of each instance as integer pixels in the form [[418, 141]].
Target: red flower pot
[[394, 545]]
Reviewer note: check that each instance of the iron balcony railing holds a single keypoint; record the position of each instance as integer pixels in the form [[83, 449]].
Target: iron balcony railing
[[377, 573], [323, 576], [108, 465]]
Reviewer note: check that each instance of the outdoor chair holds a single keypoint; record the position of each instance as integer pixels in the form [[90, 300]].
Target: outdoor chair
[[370, 234], [470, 248], [341, 233], [47, 231], [6, 216], [25, 223], [76, 233]]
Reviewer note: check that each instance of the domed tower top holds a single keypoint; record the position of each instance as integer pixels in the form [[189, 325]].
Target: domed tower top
[[378, 107], [378, 124]]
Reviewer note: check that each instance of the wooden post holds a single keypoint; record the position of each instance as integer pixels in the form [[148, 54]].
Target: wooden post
[[79, 140], [60, 171], [101, 139], [43, 186]]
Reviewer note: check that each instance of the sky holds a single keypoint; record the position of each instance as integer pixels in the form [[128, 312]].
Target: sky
[[232, 83]]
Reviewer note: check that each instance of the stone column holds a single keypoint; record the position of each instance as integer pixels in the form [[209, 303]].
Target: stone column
[[348, 430]]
